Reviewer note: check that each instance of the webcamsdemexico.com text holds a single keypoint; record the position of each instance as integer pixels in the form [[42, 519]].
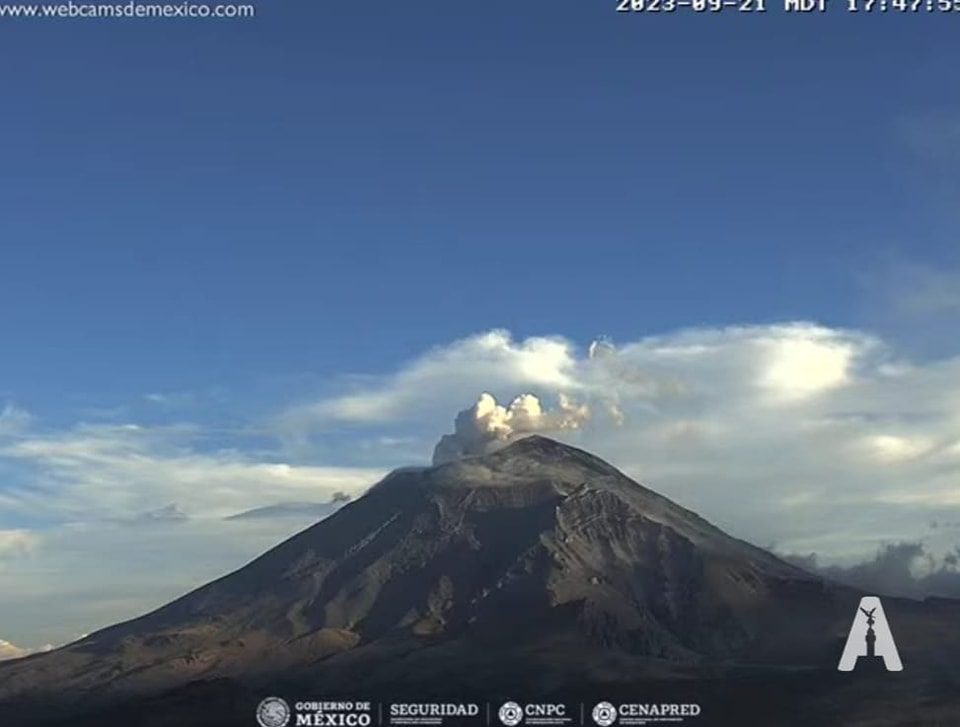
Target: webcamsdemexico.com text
[[128, 10]]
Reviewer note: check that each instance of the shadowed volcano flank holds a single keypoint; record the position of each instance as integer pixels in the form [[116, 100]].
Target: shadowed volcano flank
[[539, 555]]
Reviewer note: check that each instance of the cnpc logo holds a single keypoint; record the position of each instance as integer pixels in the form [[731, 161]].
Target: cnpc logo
[[511, 714]]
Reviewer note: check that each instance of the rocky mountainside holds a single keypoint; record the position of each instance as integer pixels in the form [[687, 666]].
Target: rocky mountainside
[[532, 569]]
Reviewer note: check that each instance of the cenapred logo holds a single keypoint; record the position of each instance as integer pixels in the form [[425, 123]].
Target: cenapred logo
[[511, 714], [628, 714], [870, 638], [273, 712], [604, 714]]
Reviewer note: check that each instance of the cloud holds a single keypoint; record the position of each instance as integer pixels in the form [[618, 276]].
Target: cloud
[[460, 370], [801, 366], [897, 569], [934, 136], [10, 651], [168, 513], [487, 425], [91, 575], [13, 420], [760, 364], [920, 290], [78, 500], [18, 542], [891, 448], [314, 510], [820, 438], [178, 399], [95, 472], [907, 291], [785, 363]]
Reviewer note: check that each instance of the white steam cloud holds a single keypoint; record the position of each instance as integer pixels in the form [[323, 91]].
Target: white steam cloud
[[487, 425], [11, 651]]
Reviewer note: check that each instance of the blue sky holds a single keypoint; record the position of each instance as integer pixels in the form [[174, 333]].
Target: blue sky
[[331, 187], [213, 233]]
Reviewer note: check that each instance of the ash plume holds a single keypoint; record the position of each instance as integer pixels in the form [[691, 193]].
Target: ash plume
[[488, 425]]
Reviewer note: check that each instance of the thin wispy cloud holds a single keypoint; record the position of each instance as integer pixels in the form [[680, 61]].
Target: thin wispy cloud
[[13, 419], [171, 400], [921, 290], [119, 471], [18, 542], [934, 135]]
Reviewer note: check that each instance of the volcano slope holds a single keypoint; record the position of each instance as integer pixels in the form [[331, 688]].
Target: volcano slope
[[539, 571]]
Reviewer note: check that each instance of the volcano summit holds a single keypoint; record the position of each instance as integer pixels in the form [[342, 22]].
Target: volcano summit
[[535, 571]]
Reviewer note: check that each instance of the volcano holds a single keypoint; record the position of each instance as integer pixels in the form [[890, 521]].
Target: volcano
[[536, 571]]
